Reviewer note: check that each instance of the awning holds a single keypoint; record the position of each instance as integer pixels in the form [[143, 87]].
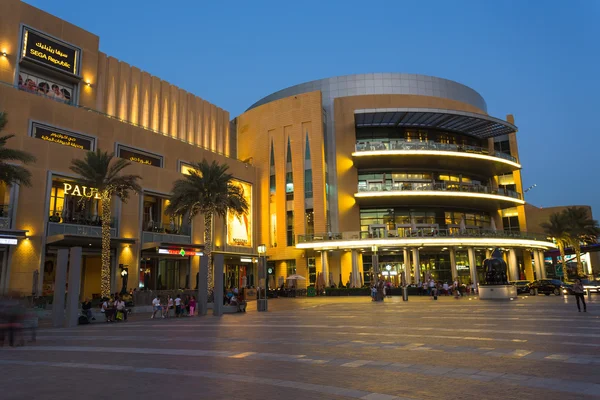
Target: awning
[[84, 241], [11, 236], [169, 245], [480, 126]]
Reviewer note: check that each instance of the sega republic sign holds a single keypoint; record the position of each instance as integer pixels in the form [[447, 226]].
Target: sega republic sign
[[50, 52], [180, 252]]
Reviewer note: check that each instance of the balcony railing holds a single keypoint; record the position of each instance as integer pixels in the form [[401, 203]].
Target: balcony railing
[[57, 228], [168, 233], [383, 145], [422, 233], [4, 216], [437, 186]]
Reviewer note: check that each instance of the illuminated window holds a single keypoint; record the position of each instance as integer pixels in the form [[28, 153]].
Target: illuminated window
[[290, 267], [290, 228], [312, 270]]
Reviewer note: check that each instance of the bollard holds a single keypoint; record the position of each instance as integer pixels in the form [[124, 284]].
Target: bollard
[[589, 293], [405, 293]]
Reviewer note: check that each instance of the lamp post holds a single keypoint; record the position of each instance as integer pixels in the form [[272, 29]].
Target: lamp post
[[125, 278], [261, 301]]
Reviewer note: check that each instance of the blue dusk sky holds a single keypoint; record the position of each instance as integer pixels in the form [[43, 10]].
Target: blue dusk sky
[[538, 60]]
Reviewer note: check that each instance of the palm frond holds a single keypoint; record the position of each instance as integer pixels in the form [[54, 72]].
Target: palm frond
[[14, 174]]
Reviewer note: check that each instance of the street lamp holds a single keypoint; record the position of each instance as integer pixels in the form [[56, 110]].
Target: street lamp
[[261, 303]]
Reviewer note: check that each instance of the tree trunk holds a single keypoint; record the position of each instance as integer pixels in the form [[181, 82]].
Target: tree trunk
[[208, 236], [105, 271], [577, 248], [561, 247]]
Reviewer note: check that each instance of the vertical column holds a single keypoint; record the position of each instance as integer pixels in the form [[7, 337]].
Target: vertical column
[[218, 290], [74, 287], [415, 253], [472, 265], [488, 253], [325, 268], [453, 270], [355, 279], [202, 296], [537, 265], [513, 267], [60, 283], [407, 266], [542, 264], [528, 266]]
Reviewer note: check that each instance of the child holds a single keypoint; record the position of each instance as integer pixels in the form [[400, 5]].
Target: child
[[192, 306], [178, 312]]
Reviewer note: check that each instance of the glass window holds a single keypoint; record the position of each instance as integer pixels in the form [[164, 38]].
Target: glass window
[[290, 267], [308, 184], [511, 223], [290, 228], [312, 271], [310, 221]]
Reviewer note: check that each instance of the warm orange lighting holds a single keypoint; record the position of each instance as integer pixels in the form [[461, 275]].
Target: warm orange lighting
[[426, 193], [4, 53], [371, 153]]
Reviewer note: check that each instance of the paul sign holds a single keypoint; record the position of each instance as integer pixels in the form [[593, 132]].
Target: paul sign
[[81, 191]]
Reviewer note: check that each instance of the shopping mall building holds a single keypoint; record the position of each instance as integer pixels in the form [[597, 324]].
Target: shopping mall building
[[64, 97], [375, 174], [352, 176]]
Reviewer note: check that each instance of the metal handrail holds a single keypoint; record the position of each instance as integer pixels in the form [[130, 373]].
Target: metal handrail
[[117, 118], [168, 228], [438, 186], [399, 144], [421, 233]]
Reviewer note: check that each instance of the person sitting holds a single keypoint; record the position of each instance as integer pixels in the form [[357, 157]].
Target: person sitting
[[108, 309], [445, 288], [86, 309], [120, 309], [241, 302]]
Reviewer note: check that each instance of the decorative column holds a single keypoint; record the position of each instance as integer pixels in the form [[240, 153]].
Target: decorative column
[[542, 264], [407, 266], [202, 296], [528, 266], [60, 285], [472, 265], [74, 287], [325, 268], [415, 253], [218, 261], [453, 270], [355, 278], [513, 267]]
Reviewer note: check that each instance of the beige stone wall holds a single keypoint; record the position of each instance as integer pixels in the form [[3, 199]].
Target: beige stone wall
[[293, 117], [536, 215], [118, 89], [22, 107]]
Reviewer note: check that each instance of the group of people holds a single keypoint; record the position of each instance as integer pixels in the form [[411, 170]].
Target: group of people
[[431, 287], [380, 290], [113, 308], [180, 307], [235, 297]]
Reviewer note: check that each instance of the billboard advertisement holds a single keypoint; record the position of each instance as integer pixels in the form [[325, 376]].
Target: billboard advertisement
[[239, 227]]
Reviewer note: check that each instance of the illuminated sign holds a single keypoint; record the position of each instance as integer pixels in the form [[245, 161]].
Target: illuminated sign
[[8, 241], [186, 168], [140, 157], [72, 189], [181, 252], [243, 259], [62, 137], [239, 227], [50, 52]]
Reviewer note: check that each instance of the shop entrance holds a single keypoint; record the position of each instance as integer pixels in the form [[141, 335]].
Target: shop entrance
[[165, 273]]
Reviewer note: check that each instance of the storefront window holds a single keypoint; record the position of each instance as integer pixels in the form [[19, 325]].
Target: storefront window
[[312, 270], [74, 204]]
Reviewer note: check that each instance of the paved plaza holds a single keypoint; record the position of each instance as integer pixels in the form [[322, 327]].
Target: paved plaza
[[324, 348]]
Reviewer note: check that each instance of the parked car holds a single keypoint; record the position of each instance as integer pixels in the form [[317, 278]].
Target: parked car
[[591, 286], [549, 286], [522, 286]]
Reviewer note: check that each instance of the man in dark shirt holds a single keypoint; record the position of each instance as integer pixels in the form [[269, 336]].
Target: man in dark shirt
[[86, 308]]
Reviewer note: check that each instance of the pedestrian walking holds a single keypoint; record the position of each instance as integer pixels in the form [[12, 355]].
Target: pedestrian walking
[[156, 307], [169, 307], [192, 306], [578, 290]]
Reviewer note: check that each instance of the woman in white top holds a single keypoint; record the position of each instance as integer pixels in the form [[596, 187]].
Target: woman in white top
[[169, 306], [120, 306]]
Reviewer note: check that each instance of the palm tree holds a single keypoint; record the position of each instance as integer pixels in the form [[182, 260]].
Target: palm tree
[[556, 227], [581, 228], [98, 172], [11, 174], [207, 190]]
